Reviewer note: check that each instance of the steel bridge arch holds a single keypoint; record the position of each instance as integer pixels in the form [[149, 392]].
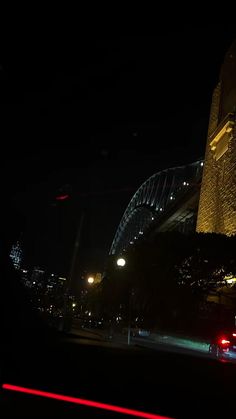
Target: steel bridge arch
[[148, 204]]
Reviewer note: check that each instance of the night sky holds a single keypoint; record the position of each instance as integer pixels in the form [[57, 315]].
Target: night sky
[[100, 114]]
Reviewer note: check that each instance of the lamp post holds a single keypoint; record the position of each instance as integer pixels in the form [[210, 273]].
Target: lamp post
[[121, 262]]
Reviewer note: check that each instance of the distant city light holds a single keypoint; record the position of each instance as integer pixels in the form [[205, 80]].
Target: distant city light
[[152, 218], [230, 279], [16, 255], [140, 232], [73, 305], [131, 242], [202, 163], [90, 279], [161, 209], [121, 262], [184, 183]]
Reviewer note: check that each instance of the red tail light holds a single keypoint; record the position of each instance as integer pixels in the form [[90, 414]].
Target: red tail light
[[224, 342]]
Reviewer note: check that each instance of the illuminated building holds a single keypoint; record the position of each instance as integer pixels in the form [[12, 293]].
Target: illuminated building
[[38, 277], [217, 206], [16, 255]]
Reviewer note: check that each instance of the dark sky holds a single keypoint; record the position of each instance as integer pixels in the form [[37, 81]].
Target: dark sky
[[96, 116]]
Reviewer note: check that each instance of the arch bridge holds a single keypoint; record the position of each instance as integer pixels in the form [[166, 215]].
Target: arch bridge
[[168, 200]]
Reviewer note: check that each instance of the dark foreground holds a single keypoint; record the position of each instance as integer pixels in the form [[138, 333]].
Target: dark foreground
[[162, 382]]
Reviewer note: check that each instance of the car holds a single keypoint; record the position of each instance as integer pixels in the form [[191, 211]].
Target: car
[[223, 346]]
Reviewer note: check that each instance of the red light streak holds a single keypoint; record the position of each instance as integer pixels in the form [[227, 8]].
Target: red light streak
[[62, 197], [83, 402]]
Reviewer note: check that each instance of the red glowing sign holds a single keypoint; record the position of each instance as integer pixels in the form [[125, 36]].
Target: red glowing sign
[[84, 402], [62, 197]]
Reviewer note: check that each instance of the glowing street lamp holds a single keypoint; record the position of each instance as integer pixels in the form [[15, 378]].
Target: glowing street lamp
[[121, 262], [90, 279]]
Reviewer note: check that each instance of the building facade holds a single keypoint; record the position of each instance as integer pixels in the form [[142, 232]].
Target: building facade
[[217, 205]]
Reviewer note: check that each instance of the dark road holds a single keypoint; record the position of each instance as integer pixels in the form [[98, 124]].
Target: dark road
[[169, 384]]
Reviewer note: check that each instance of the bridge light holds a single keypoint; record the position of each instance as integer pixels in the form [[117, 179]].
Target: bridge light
[[202, 163]]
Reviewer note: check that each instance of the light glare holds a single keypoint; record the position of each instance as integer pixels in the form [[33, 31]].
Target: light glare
[[121, 262]]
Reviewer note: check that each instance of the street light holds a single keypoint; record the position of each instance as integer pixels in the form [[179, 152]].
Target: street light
[[90, 279], [121, 262]]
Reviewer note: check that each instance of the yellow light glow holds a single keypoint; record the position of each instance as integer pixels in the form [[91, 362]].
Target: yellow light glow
[[220, 138], [90, 279], [230, 280]]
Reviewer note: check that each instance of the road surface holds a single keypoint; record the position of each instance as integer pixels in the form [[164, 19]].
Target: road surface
[[164, 382]]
